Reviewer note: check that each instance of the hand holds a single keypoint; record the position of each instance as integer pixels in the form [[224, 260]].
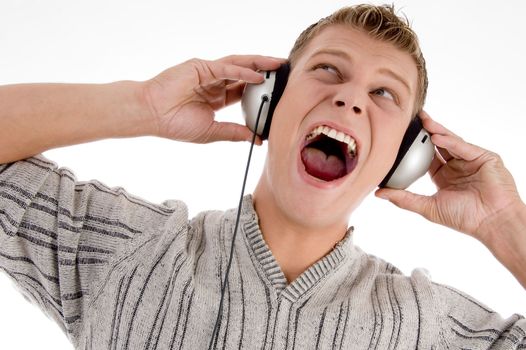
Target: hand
[[474, 189], [183, 99]]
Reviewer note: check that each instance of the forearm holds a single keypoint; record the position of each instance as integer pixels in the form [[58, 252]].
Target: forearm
[[507, 241], [38, 117]]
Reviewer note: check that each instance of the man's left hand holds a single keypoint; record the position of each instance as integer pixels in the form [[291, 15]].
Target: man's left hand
[[474, 189]]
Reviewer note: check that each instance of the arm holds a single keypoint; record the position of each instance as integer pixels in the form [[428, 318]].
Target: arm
[[58, 236], [506, 239], [475, 195], [179, 104], [38, 117]]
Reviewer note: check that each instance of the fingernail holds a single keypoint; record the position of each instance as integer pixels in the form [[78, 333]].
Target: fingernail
[[382, 195]]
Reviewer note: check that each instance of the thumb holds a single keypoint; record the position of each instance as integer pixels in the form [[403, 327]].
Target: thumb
[[407, 200], [225, 131]]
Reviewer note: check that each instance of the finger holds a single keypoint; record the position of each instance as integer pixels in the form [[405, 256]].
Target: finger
[[442, 154], [441, 159], [407, 200], [457, 147], [434, 127], [254, 62], [225, 71], [230, 82], [225, 131], [436, 164], [234, 92]]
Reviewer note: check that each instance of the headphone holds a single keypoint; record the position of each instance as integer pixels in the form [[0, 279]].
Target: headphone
[[414, 155]]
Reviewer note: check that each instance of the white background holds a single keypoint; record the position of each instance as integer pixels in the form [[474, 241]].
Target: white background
[[475, 53]]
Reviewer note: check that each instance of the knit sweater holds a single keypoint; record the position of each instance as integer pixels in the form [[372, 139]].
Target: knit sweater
[[116, 272]]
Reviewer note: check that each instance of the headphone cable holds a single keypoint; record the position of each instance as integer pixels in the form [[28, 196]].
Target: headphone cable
[[215, 333]]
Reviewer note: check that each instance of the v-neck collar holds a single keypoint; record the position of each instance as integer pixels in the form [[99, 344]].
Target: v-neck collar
[[264, 257]]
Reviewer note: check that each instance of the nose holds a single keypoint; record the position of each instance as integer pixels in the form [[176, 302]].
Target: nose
[[348, 98], [356, 109]]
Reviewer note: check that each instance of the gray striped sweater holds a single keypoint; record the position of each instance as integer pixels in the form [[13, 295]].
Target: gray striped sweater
[[116, 272]]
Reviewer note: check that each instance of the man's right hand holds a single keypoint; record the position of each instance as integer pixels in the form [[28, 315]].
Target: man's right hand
[[183, 99], [178, 104]]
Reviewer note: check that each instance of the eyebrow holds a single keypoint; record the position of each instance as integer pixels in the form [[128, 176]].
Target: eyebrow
[[396, 77], [333, 52], [346, 56]]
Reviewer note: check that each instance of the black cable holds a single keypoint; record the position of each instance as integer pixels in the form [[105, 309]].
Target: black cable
[[215, 333]]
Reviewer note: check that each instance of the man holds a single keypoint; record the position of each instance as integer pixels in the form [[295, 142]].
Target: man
[[117, 272]]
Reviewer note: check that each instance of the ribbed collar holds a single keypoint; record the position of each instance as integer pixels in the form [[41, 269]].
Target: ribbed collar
[[264, 257]]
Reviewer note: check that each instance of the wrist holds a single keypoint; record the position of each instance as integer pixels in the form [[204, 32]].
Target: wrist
[[132, 108], [505, 236]]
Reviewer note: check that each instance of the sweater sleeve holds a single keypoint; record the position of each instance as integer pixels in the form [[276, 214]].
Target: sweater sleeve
[[57, 235], [468, 324]]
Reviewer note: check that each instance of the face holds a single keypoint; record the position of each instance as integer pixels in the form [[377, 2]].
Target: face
[[345, 86]]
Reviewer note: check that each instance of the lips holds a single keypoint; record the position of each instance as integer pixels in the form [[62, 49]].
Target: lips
[[329, 154]]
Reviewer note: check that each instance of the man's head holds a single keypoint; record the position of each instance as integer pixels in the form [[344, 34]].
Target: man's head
[[351, 94], [379, 22]]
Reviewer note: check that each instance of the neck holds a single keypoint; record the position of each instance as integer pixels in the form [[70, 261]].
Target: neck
[[294, 245]]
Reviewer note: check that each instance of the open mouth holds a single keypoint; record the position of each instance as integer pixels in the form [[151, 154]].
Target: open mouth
[[329, 154]]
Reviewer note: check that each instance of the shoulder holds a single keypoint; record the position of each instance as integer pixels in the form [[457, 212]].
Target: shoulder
[[467, 322], [442, 315]]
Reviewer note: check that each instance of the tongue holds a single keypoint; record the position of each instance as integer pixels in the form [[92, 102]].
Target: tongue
[[324, 167]]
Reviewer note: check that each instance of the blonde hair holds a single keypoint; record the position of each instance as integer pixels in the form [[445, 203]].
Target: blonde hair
[[380, 23]]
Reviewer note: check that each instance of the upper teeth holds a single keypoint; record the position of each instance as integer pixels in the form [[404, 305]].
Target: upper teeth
[[334, 134]]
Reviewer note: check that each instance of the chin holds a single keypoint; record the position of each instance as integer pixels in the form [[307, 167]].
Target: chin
[[310, 201], [316, 208]]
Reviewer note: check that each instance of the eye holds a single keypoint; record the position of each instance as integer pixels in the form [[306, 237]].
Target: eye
[[327, 67], [384, 93]]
